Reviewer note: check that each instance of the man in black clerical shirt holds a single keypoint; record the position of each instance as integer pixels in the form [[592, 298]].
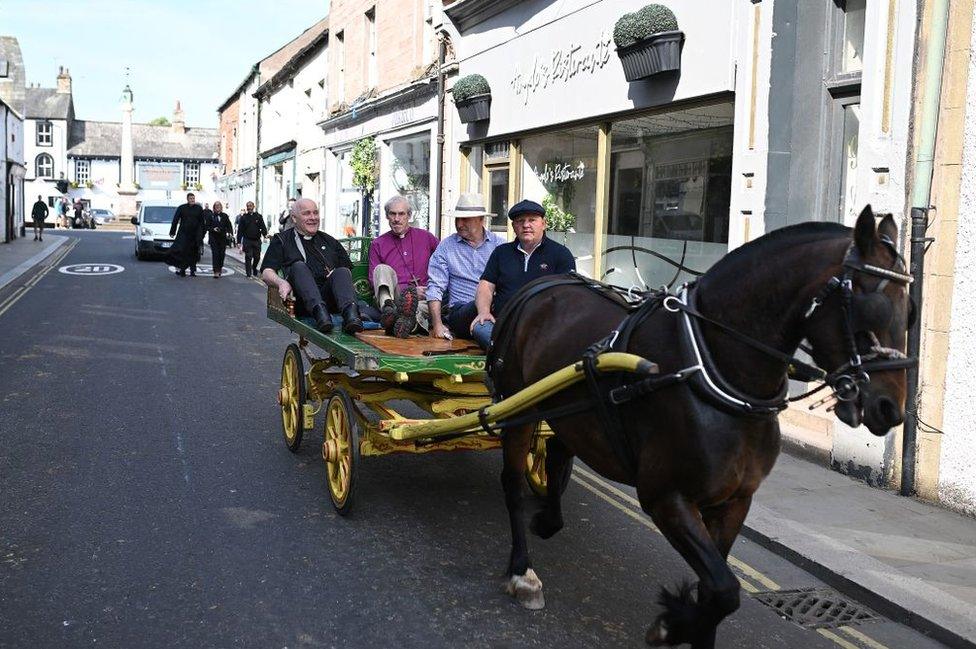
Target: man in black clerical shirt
[[316, 267]]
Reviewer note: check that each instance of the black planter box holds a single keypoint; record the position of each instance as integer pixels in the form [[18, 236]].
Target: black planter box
[[659, 53], [474, 109]]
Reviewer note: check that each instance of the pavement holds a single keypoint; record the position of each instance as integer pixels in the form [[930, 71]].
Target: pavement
[[169, 512], [20, 255], [911, 560]]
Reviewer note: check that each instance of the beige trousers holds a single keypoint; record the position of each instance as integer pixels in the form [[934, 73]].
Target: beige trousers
[[385, 277]]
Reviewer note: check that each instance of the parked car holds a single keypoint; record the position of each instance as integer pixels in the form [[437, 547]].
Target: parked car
[[152, 229], [102, 216]]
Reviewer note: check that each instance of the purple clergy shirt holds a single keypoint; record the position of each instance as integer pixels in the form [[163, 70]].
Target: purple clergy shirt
[[408, 256]]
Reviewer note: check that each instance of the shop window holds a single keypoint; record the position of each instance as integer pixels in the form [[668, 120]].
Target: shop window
[[559, 171], [850, 122], [45, 133], [349, 199], [670, 190], [44, 166], [82, 171], [845, 63], [409, 175], [849, 35]]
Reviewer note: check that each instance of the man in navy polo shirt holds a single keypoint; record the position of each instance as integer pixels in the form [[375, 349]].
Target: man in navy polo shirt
[[515, 264]]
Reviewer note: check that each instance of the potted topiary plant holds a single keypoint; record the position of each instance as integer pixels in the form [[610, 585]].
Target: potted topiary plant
[[472, 96], [648, 42]]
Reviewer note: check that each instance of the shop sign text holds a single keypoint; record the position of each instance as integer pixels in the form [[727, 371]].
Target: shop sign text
[[561, 65], [560, 173]]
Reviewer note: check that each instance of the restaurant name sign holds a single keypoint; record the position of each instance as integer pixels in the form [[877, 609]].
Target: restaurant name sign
[[561, 65]]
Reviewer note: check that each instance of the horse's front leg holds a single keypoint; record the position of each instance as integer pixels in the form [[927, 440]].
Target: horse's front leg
[[685, 619], [523, 583], [559, 468]]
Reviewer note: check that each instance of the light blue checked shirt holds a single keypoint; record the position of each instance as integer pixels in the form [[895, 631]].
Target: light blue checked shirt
[[456, 266]]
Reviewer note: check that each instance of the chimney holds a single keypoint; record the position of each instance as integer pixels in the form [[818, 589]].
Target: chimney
[[64, 81], [179, 126]]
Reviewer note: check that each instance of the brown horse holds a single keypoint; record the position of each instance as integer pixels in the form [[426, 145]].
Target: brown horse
[[698, 449]]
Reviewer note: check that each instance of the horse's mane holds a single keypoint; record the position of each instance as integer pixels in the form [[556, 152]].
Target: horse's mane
[[766, 245]]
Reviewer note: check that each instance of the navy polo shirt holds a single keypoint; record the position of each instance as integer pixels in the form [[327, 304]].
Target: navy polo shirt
[[509, 268]]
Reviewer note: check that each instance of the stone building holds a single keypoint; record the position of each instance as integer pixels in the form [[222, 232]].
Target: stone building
[[112, 165]]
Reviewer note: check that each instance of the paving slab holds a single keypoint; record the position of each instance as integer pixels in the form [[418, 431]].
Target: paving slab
[[22, 254]]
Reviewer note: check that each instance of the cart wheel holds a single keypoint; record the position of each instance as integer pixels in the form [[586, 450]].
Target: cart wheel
[[535, 467], [291, 396], [340, 450]]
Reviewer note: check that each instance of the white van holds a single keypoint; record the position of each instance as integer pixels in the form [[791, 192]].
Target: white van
[[152, 229]]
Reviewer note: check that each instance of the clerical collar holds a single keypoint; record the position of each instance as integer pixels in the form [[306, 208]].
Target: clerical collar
[[307, 237]]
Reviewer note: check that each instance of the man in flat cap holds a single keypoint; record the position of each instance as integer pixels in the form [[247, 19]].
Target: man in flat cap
[[513, 265]]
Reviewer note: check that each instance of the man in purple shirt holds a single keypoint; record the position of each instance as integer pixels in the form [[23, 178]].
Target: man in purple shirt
[[398, 270], [455, 270]]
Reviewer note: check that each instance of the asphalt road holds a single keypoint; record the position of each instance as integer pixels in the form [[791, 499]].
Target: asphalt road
[[147, 500]]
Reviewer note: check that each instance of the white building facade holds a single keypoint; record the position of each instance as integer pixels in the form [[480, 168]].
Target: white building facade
[[12, 172], [753, 134]]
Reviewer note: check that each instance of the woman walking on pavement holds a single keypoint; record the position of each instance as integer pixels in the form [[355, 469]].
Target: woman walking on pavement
[[220, 235]]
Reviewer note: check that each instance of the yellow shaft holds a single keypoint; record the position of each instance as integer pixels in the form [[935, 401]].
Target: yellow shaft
[[524, 399]]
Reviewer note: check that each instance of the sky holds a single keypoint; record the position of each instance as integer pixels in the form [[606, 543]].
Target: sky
[[195, 51]]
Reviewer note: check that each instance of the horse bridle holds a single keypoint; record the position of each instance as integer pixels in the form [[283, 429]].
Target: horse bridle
[[847, 380]]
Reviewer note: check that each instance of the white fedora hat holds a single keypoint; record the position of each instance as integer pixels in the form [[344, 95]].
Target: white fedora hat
[[469, 205]]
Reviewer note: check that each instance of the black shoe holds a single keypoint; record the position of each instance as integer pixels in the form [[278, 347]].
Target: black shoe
[[181, 272], [388, 316], [351, 322], [323, 321]]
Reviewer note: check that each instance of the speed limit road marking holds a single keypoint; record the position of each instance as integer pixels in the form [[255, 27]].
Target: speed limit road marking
[[91, 269]]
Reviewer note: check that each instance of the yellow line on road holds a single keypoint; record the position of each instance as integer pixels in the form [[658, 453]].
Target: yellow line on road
[[32, 282], [865, 640], [743, 567], [830, 635]]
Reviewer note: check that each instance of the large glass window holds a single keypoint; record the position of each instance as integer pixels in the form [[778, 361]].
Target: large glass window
[[44, 166], [350, 201], [559, 171], [409, 174], [670, 190], [849, 204]]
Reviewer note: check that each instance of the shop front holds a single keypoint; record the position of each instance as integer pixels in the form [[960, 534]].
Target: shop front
[[630, 173]]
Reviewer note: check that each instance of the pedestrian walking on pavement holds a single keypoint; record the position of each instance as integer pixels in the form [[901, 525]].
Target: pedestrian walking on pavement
[[220, 234], [79, 220], [250, 233], [39, 213], [188, 228]]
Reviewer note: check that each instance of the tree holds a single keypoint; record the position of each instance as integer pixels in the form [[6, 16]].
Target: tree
[[160, 121]]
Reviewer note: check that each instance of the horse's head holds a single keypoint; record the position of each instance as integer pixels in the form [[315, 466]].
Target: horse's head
[[858, 334]]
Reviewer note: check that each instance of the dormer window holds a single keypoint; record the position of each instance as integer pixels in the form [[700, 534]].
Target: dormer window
[[45, 134]]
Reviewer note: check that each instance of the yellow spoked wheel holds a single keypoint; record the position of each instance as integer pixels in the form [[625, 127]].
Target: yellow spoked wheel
[[291, 397], [535, 467], [340, 450]]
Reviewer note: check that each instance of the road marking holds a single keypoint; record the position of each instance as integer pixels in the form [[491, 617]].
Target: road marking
[[743, 567], [20, 292], [93, 268], [205, 269], [865, 640], [830, 635]]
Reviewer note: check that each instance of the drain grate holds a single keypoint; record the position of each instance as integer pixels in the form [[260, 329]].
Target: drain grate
[[816, 608]]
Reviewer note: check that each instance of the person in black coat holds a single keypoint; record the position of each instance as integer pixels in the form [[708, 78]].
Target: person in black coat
[[39, 213], [250, 232], [220, 234], [188, 227]]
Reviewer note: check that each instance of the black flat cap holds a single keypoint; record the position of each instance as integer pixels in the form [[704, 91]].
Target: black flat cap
[[526, 207]]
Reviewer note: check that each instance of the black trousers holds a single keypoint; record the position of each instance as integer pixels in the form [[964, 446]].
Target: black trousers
[[252, 255], [336, 291], [218, 251]]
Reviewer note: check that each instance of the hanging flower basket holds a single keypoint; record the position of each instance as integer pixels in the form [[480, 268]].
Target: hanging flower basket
[[472, 96], [474, 109], [648, 42]]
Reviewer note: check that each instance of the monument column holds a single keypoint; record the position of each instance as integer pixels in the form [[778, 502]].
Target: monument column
[[127, 187]]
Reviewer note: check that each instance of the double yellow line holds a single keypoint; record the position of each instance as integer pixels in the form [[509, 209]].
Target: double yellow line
[[752, 580], [49, 264]]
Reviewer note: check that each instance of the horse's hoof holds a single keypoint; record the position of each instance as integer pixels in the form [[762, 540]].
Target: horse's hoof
[[543, 527], [657, 635], [527, 589]]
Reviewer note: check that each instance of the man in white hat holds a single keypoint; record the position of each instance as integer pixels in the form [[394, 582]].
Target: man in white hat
[[455, 270]]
